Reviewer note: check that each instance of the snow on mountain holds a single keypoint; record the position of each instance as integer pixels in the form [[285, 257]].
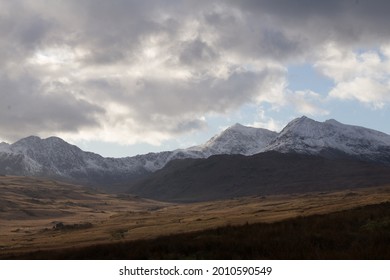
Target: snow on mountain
[[4, 147], [238, 139], [304, 135], [53, 157]]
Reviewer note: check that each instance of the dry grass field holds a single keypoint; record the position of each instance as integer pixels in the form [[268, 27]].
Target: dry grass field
[[39, 214]]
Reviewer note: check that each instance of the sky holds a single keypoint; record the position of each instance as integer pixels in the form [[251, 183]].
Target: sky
[[127, 77]]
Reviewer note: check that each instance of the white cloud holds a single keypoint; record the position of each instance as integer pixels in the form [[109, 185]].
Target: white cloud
[[364, 89], [263, 120], [307, 102], [358, 75]]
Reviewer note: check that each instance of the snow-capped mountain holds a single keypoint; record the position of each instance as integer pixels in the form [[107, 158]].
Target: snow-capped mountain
[[332, 139], [238, 139], [55, 158]]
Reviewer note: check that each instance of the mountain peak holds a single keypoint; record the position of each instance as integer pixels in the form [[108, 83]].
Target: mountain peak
[[238, 139], [307, 136], [36, 140], [237, 125], [57, 140], [300, 119], [27, 141], [4, 146], [333, 121], [300, 125], [31, 138], [303, 119]]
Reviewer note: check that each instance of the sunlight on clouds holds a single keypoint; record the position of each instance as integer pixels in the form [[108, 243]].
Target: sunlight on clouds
[[364, 89], [362, 76], [305, 102], [273, 91], [56, 56], [264, 121]]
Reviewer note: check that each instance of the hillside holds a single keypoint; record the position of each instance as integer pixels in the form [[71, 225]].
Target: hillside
[[269, 173]]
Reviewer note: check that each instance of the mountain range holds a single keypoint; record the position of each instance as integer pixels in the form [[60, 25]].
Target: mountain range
[[329, 140]]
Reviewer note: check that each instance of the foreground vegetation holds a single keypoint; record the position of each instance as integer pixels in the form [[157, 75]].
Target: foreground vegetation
[[359, 233]]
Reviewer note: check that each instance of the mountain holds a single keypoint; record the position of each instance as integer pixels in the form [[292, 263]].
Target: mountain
[[238, 139], [55, 158], [332, 139], [305, 156], [268, 173]]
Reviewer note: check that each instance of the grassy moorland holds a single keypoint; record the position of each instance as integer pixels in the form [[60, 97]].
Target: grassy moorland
[[47, 219], [359, 233]]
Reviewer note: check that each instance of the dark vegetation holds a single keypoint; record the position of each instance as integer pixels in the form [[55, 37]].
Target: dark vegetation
[[62, 226], [360, 233]]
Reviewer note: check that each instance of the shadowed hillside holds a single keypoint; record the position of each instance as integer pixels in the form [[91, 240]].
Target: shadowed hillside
[[227, 176]]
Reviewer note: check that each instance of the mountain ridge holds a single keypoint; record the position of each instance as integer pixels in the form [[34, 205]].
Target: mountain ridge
[[53, 157]]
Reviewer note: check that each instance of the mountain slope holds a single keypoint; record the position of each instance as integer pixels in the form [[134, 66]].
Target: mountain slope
[[229, 176]]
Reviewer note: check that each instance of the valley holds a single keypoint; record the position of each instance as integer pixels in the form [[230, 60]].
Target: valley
[[44, 215]]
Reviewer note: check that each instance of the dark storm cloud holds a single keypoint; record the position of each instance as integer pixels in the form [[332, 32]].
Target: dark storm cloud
[[24, 110], [345, 21], [173, 61]]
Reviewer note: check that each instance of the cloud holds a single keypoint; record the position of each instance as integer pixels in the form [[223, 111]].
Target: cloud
[[307, 102], [347, 22], [24, 110], [131, 71], [264, 121], [358, 75]]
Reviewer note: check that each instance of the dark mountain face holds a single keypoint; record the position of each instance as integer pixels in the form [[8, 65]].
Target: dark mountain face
[[229, 176]]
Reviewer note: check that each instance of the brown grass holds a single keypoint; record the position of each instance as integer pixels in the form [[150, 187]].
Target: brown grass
[[28, 208], [359, 233]]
